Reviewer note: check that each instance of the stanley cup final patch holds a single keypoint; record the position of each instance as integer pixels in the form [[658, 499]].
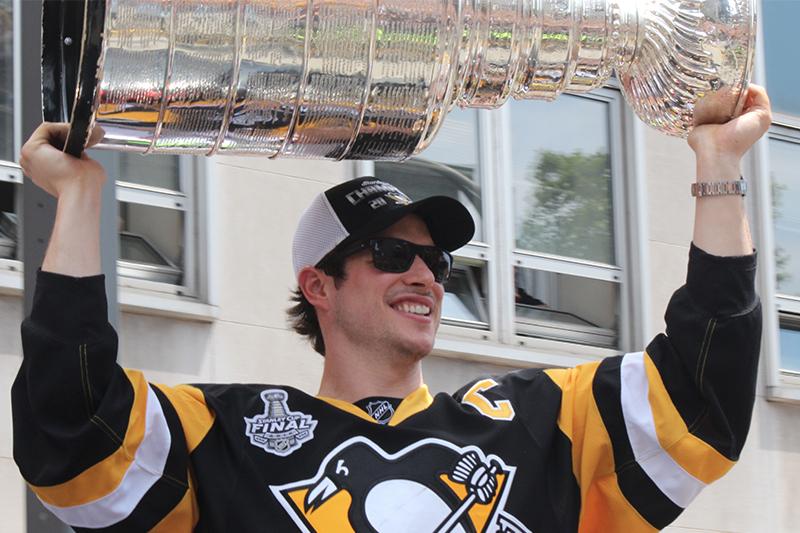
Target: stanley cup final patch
[[278, 430]]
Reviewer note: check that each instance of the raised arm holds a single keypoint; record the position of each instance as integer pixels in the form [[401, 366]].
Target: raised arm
[[720, 221], [648, 431], [98, 445], [74, 248]]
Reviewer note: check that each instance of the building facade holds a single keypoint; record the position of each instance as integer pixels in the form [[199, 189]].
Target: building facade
[[584, 221]]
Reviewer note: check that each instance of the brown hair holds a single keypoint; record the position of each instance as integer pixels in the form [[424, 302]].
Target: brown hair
[[302, 316]]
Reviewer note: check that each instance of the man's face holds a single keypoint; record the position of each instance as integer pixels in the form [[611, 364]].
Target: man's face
[[396, 314]]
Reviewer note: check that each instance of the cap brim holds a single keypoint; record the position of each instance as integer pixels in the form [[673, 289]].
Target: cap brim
[[450, 224]]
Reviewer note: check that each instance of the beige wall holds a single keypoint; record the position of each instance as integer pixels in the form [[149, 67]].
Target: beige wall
[[254, 206]]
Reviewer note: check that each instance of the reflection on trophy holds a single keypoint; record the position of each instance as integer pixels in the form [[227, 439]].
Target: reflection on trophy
[[373, 79]]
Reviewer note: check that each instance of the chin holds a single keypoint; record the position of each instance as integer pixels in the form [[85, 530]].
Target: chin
[[419, 350]]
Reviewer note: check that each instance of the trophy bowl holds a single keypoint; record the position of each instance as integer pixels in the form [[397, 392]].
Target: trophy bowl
[[373, 79]]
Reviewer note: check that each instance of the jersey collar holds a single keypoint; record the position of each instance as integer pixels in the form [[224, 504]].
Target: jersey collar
[[414, 403]]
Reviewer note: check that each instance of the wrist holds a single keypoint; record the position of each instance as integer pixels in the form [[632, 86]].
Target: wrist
[[80, 190], [718, 168]]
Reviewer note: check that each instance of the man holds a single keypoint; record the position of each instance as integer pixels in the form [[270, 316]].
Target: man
[[620, 445]]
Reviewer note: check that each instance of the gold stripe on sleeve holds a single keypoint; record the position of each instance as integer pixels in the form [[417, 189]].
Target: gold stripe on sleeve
[[580, 421], [603, 506], [693, 454], [103, 477], [195, 416]]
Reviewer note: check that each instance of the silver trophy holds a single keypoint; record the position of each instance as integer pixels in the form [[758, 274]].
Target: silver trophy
[[373, 79]]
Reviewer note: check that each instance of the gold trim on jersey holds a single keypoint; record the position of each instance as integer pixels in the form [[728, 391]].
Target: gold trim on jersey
[[103, 477], [603, 506], [693, 454], [414, 403], [195, 416]]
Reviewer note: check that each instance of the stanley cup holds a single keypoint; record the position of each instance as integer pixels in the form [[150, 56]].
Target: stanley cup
[[373, 79]]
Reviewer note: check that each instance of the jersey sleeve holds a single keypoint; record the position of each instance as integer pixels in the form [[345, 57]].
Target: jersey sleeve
[[650, 430], [99, 446]]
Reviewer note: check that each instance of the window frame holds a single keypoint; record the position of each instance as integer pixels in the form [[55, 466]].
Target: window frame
[[11, 270], [786, 306]]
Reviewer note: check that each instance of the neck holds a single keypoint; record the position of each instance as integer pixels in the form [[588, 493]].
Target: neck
[[352, 376]]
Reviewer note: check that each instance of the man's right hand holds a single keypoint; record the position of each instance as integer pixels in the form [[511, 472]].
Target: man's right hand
[[74, 248], [55, 171]]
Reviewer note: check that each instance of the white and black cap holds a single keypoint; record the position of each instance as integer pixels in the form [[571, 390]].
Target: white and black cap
[[363, 207]]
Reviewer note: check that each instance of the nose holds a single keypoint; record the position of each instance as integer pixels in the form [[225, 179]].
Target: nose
[[419, 273]]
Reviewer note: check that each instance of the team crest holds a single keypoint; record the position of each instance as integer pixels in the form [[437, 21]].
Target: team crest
[[278, 430], [429, 486]]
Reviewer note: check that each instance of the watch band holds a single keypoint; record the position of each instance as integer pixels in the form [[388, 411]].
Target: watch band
[[719, 188]]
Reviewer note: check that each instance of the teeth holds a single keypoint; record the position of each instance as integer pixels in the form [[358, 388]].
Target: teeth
[[415, 309]]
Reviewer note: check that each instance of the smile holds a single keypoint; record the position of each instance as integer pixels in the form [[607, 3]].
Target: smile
[[414, 309]]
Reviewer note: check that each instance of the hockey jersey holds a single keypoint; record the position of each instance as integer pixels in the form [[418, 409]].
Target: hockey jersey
[[623, 444]]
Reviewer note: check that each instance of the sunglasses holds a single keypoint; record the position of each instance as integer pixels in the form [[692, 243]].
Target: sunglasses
[[397, 255]]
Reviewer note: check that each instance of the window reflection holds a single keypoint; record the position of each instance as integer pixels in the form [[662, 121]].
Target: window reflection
[[6, 81], [790, 348], [151, 243], [161, 171], [780, 45], [449, 167], [785, 176], [465, 296], [562, 178], [567, 308]]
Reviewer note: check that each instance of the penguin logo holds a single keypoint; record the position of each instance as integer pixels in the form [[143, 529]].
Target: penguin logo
[[431, 486], [278, 430]]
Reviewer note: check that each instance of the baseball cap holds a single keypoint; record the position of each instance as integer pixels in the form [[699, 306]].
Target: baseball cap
[[363, 207]]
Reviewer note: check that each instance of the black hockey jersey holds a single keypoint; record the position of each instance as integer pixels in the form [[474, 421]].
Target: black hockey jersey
[[623, 444]]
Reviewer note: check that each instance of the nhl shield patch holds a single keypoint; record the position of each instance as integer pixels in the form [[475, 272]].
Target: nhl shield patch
[[278, 430]]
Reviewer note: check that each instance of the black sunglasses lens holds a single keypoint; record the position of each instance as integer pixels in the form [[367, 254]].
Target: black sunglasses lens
[[396, 255], [392, 255], [438, 261]]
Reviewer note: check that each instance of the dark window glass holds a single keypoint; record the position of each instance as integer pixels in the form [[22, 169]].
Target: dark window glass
[[790, 348], [6, 81], [566, 308]]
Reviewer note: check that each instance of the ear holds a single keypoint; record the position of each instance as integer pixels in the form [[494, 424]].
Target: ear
[[316, 286]]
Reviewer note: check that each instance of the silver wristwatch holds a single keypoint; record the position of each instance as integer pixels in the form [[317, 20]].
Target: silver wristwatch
[[719, 188]]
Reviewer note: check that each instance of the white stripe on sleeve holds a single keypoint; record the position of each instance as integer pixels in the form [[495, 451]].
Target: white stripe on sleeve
[[146, 468], [675, 482]]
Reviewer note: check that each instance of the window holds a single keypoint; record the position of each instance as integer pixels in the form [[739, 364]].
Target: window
[[784, 153], [156, 219], [784, 160], [548, 269], [10, 176], [566, 276]]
